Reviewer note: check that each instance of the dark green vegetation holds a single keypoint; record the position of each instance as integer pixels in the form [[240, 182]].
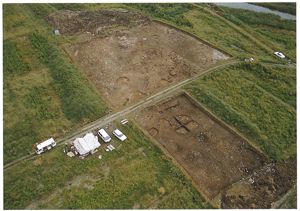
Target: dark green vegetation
[[79, 99], [252, 97], [275, 32], [14, 63], [44, 95], [137, 174], [170, 12], [289, 7]]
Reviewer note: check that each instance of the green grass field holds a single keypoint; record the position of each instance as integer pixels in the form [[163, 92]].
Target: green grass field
[[32, 109], [277, 33], [252, 98], [136, 174], [44, 94]]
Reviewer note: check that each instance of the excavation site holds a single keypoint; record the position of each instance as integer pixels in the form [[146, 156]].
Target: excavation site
[[129, 57]]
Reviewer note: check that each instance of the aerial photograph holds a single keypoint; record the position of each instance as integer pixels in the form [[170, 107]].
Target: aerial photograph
[[149, 105]]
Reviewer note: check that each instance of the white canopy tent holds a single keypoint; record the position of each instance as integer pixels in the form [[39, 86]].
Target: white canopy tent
[[86, 144]]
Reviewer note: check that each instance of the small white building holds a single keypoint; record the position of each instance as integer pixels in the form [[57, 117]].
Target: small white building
[[87, 145]]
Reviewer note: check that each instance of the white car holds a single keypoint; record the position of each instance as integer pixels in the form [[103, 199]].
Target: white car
[[119, 135], [103, 134], [279, 54]]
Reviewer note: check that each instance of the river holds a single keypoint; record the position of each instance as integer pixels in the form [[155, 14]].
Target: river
[[256, 8]]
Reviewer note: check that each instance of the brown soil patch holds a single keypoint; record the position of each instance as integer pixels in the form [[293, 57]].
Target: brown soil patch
[[135, 57], [212, 155], [262, 188], [94, 22]]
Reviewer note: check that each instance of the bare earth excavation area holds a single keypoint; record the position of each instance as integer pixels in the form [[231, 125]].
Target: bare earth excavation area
[[128, 61], [210, 153]]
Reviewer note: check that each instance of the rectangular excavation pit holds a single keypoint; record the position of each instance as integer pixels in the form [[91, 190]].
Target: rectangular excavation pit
[[129, 63], [212, 154]]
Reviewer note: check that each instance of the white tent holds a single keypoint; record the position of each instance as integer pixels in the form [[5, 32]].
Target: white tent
[[86, 144]]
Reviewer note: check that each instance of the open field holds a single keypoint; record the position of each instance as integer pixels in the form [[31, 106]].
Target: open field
[[243, 97], [117, 59], [210, 153], [278, 34], [40, 99], [32, 111], [127, 65], [54, 180]]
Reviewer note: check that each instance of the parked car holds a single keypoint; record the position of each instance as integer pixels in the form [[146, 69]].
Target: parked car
[[279, 54], [103, 134], [119, 135]]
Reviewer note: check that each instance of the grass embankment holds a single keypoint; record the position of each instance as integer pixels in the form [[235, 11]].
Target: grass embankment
[[246, 97], [288, 7], [40, 88], [275, 32], [137, 174]]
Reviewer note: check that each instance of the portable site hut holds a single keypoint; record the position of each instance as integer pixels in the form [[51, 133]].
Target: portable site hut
[[88, 144], [44, 146]]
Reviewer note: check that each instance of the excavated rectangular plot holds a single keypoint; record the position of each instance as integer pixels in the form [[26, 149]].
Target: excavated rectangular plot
[[135, 62], [212, 154]]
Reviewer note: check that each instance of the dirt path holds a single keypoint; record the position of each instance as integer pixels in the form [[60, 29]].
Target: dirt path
[[119, 114]]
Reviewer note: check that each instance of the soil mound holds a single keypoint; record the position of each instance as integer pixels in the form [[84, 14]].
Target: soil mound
[[95, 22]]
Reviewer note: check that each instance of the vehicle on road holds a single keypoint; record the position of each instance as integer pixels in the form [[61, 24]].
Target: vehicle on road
[[44, 146], [119, 135], [103, 134]]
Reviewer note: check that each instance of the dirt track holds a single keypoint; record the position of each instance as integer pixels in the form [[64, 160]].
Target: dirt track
[[212, 155]]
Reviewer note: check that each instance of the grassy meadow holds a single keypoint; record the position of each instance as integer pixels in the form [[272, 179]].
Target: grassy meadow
[[44, 94], [136, 174], [257, 100], [275, 32]]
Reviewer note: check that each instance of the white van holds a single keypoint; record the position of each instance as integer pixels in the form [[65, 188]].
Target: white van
[[103, 134], [44, 146]]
